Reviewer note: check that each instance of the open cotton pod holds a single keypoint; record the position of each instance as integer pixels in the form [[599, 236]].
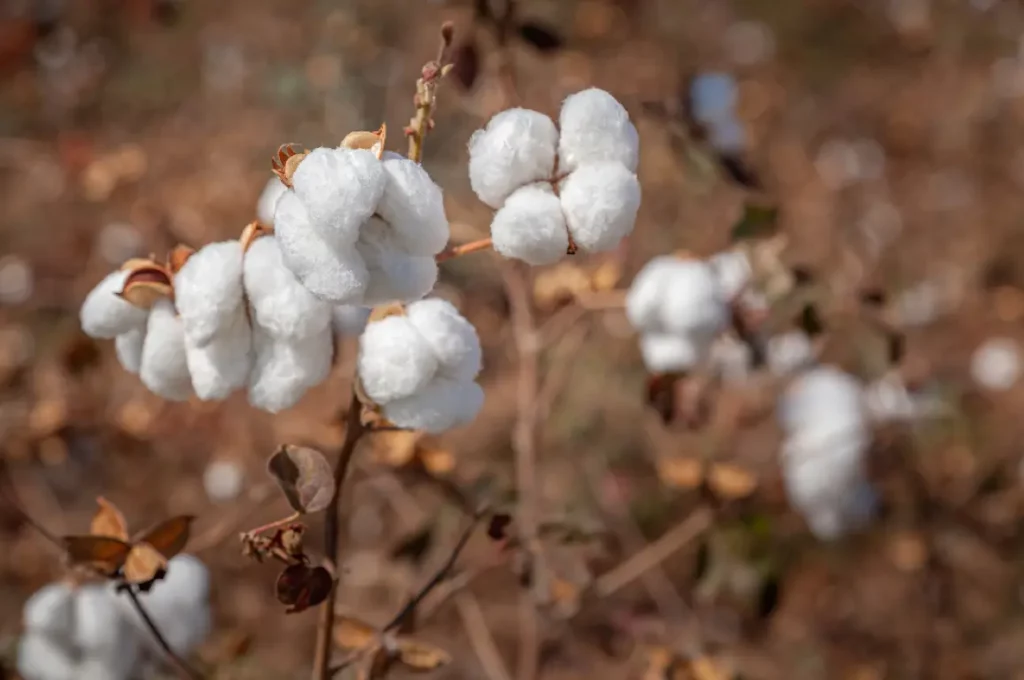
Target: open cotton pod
[[530, 226], [516, 148], [596, 128], [164, 365], [119, 303]]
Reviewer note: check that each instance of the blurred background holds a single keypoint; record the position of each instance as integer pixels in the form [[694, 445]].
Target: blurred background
[[886, 132]]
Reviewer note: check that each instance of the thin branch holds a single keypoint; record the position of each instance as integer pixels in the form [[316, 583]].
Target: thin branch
[[452, 252], [180, 665], [426, 95], [354, 431]]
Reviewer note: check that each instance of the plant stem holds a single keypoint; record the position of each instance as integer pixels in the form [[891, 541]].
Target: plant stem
[[180, 664], [354, 431], [466, 248]]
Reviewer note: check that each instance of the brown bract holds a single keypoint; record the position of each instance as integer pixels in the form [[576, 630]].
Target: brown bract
[[371, 141], [253, 231], [147, 282], [286, 161]]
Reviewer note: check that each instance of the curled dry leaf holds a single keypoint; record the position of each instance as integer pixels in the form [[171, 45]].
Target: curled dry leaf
[[301, 587], [109, 521], [352, 633], [100, 553], [304, 475], [147, 282]]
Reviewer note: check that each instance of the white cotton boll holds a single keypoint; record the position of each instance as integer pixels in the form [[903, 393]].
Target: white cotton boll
[[208, 290], [268, 199], [110, 666], [179, 605], [441, 405], [129, 349], [596, 127], [102, 634], [713, 96], [692, 302], [823, 400], [667, 353], [164, 368], [39, 658], [789, 352], [996, 364], [531, 226], [340, 189], [105, 314], [280, 303], [349, 320], [50, 611], [395, 361], [329, 275], [394, 275], [733, 270], [450, 336], [221, 366], [517, 147], [414, 207], [285, 369], [644, 299], [600, 202]]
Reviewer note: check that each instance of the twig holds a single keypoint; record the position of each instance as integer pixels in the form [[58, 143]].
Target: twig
[[654, 554], [480, 637], [457, 251], [439, 576], [180, 664], [426, 94], [354, 431]]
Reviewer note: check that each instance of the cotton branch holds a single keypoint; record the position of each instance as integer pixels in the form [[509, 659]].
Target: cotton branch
[[426, 94]]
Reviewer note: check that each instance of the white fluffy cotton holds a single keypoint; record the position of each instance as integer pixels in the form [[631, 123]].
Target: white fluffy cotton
[[395, 361], [600, 202], [413, 206], [208, 290], [349, 320], [451, 338], [788, 352], [280, 304], [394, 275], [129, 349], [40, 658], [285, 368], [222, 365], [664, 353], [164, 366], [441, 405], [50, 611], [517, 147], [733, 270], [595, 127], [531, 227], [268, 199], [105, 314]]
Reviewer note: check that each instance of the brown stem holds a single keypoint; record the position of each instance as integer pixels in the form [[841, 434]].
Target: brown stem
[[354, 431], [184, 670], [466, 248]]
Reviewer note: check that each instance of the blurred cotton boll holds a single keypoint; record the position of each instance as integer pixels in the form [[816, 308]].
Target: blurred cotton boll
[[996, 364], [16, 280], [223, 480], [789, 352], [268, 199]]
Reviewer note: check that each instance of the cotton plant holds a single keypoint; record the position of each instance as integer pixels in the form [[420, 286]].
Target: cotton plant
[[558, 188]]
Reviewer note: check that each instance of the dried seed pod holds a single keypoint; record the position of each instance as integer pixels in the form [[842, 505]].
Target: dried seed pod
[[363, 139], [286, 161], [147, 282], [253, 231]]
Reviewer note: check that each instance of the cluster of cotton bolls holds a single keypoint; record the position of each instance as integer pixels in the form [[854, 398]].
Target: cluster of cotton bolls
[[558, 188], [419, 365], [93, 633]]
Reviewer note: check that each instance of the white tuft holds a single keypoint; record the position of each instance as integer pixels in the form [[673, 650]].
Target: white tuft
[[394, 275], [281, 305], [164, 368], [285, 369], [596, 127], [208, 290], [600, 202], [129, 349], [440, 405], [517, 147], [105, 314], [349, 320], [223, 480], [221, 366], [692, 302], [996, 364], [733, 270], [451, 338], [789, 352], [414, 207], [268, 199], [395, 361], [340, 189], [39, 658], [668, 353], [50, 611], [334, 277], [531, 227], [644, 299]]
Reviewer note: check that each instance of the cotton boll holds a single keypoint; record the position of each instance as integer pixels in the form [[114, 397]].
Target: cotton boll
[[267, 201], [208, 290], [328, 275], [179, 605], [103, 635], [733, 270], [531, 227], [105, 314], [106, 667], [600, 202], [450, 336], [129, 349], [164, 367], [823, 401], [692, 302], [221, 366], [280, 303], [517, 147], [50, 612], [39, 658], [441, 405], [393, 274], [596, 127], [414, 207], [349, 320], [285, 369], [395, 361], [667, 353], [340, 189], [644, 299], [788, 352]]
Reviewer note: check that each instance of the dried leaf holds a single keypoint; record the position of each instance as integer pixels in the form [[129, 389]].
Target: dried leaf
[[99, 552], [301, 587], [679, 472], [437, 461], [168, 537], [144, 564], [466, 64], [731, 482], [395, 449], [364, 139], [147, 284], [543, 38], [251, 232], [351, 633], [108, 521], [420, 656], [304, 475]]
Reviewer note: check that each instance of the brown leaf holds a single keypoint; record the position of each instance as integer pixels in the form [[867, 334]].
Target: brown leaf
[[304, 475], [144, 563], [420, 656], [99, 552], [437, 461], [679, 472], [301, 587], [351, 633], [731, 482], [108, 521], [168, 537]]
